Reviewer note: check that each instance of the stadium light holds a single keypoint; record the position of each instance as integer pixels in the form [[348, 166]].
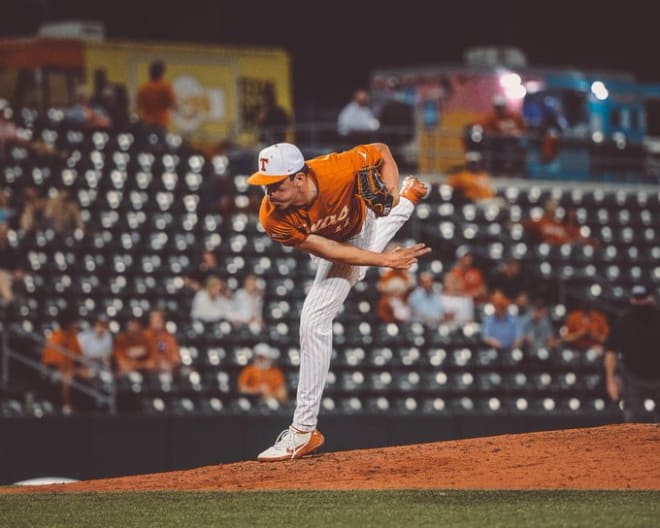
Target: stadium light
[[599, 90]]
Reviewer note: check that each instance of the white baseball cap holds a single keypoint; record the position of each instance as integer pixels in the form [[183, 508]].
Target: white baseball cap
[[277, 162], [265, 350]]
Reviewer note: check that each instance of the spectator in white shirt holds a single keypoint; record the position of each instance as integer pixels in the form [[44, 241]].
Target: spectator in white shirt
[[96, 345], [425, 302], [356, 121], [213, 303], [248, 303]]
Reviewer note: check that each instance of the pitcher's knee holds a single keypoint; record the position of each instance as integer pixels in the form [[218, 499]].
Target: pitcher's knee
[[315, 323]]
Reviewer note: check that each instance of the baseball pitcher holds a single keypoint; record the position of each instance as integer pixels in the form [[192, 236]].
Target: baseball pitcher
[[342, 208]]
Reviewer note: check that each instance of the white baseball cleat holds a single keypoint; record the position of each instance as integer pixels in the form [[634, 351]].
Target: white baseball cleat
[[291, 444]]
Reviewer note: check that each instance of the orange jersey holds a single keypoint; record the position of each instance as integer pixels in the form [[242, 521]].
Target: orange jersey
[[154, 100], [162, 346], [132, 349], [61, 339], [469, 282], [473, 185], [594, 323], [253, 377], [336, 213]]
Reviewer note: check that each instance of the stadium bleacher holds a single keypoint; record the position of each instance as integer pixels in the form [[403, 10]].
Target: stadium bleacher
[[146, 214]]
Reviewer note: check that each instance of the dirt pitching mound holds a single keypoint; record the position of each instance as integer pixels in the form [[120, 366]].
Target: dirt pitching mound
[[611, 457]]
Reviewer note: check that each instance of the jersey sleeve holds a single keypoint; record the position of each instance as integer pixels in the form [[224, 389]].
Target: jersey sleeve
[[285, 234], [279, 230], [364, 156]]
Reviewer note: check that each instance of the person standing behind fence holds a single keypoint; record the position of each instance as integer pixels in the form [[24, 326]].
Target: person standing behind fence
[[634, 339], [356, 122], [504, 131], [156, 98]]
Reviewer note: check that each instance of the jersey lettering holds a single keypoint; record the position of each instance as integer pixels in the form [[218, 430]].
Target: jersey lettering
[[327, 221]]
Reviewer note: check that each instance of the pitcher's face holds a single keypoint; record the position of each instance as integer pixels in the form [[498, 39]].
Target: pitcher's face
[[285, 193]]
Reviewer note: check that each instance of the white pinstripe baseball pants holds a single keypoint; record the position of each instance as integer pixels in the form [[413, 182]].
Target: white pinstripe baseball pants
[[331, 286]]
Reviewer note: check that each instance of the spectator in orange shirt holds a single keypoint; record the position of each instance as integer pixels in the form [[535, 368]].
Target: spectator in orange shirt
[[465, 279], [394, 287], [262, 377], [554, 230], [132, 348], [574, 231], [155, 98], [472, 182], [163, 346], [64, 338], [585, 327], [549, 228], [503, 121]]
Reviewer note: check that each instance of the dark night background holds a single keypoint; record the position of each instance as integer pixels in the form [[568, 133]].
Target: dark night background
[[335, 45]]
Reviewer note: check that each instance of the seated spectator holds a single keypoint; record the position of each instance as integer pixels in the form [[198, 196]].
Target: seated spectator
[[62, 213], [537, 328], [6, 211], [394, 287], [132, 348], [575, 232], [217, 193], [96, 346], [206, 265], [552, 229], [585, 327], [82, 113], [248, 302], [64, 338], [501, 330], [213, 303], [8, 131], [472, 183], [465, 279], [11, 265], [510, 279], [163, 346], [31, 214], [262, 377], [426, 304], [548, 228]]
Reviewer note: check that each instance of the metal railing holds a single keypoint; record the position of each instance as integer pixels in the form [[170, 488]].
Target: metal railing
[[101, 386], [437, 150]]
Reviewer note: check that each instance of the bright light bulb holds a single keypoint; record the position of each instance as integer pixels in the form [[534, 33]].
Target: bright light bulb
[[599, 90], [509, 80]]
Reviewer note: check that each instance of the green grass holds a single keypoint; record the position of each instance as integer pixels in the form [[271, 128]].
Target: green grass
[[320, 509]]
